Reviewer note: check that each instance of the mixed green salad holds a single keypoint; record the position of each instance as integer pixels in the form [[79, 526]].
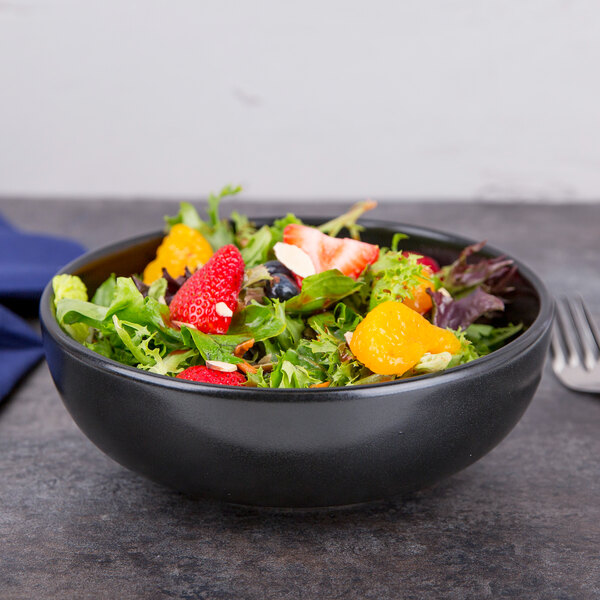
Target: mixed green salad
[[288, 305]]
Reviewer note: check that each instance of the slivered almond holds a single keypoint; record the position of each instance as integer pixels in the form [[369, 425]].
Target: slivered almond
[[267, 358], [323, 384], [267, 367], [348, 337], [224, 367], [295, 259], [242, 348], [246, 368], [223, 310]]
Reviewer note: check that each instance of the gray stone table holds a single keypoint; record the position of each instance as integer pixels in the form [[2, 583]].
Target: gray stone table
[[523, 522]]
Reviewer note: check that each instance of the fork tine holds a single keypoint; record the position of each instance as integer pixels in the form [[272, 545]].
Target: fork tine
[[565, 323], [591, 323], [559, 359], [586, 344]]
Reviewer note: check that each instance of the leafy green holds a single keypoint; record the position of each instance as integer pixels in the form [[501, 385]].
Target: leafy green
[[106, 292], [210, 347], [187, 215], [243, 227], [394, 276], [432, 363], [321, 291], [487, 338], [398, 237], [467, 351], [158, 289], [342, 366], [348, 220], [258, 247], [70, 287], [256, 321], [133, 335], [130, 307], [171, 364], [295, 369], [69, 311], [218, 232]]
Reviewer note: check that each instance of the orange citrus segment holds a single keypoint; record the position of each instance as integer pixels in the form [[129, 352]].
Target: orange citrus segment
[[392, 338], [421, 300], [182, 247]]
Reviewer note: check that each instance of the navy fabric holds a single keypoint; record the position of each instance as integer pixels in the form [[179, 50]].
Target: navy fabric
[[27, 262], [20, 350]]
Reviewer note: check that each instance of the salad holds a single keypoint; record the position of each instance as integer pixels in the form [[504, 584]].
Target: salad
[[289, 305]]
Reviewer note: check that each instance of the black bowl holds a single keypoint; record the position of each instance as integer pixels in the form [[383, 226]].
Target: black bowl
[[299, 448]]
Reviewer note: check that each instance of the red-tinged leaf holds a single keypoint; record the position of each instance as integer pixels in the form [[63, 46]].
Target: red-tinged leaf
[[493, 274], [459, 314]]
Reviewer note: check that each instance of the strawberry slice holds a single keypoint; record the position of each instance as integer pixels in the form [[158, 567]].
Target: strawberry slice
[[351, 257], [204, 375], [208, 299]]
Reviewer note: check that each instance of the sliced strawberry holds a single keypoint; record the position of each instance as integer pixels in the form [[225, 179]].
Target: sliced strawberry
[[351, 257], [424, 260], [205, 375], [203, 300]]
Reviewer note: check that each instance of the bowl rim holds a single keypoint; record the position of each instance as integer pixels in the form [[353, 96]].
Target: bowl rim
[[538, 327]]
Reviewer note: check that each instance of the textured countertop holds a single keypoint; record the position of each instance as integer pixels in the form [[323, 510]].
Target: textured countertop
[[523, 522]]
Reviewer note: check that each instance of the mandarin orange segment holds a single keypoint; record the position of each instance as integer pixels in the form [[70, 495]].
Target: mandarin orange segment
[[392, 338], [182, 247], [421, 300]]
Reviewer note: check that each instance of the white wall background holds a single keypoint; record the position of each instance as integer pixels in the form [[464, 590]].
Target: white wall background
[[317, 99]]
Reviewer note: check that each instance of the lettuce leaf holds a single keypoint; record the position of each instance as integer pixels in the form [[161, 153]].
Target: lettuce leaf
[[257, 247], [71, 287], [217, 231], [459, 314], [394, 276], [493, 274], [487, 338], [321, 291]]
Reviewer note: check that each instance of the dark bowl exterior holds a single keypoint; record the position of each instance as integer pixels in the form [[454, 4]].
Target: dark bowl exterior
[[295, 448]]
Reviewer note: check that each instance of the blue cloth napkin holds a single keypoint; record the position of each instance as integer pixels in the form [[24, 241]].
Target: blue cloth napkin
[[27, 262]]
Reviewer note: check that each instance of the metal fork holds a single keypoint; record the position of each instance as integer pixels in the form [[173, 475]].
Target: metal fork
[[576, 346]]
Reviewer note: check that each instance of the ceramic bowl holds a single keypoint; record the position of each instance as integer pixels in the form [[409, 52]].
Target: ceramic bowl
[[300, 448]]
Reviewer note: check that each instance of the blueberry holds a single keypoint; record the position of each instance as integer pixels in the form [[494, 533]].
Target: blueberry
[[275, 267], [281, 286]]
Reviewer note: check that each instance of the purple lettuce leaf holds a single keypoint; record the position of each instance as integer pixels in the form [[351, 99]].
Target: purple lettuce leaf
[[459, 314], [493, 274]]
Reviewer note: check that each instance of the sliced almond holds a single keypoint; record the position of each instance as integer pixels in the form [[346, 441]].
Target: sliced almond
[[224, 367], [295, 259], [267, 358], [445, 292], [348, 337], [223, 310]]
